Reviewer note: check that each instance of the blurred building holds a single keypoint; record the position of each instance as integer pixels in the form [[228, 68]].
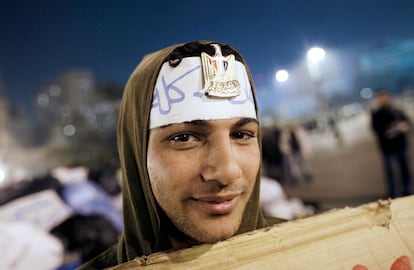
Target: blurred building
[[10, 137], [75, 103], [77, 117], [67, 102], [13, 125], [303, 96], [345, 77], [4, 121], [390, 66], [73, 119]]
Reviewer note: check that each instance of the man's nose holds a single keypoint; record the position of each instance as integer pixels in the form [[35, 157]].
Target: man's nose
[[221, 163]]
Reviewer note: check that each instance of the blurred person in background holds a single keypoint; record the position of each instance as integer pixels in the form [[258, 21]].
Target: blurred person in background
[[296, 147], [190, 150], [333, 126], [391, 127], [273, 159]]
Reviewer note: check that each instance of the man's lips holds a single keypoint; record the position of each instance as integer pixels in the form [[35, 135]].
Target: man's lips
[[218, 205]]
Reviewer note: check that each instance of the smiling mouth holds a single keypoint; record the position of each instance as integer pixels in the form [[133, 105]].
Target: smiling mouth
[[218, 205]]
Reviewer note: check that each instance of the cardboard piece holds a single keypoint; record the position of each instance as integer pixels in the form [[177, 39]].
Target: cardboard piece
[[43, 209], [379, 235], [25, 246]]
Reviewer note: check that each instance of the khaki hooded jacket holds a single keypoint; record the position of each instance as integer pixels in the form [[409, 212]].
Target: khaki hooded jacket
[[145, 230]]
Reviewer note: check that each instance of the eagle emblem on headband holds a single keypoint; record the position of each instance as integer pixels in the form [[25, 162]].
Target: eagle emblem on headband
[[220, 74]]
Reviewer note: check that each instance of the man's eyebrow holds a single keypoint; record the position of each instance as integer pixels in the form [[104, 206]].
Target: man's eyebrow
[[239, 123], [245, 121], [202, 123]]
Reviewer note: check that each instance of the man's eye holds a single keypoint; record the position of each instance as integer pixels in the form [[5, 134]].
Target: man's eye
[[184, 141], [181, 138], [242, 135]]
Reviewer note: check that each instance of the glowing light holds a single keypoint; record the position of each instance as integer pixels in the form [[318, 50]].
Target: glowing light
[[366, 93], [69, 130], [282, 75], [2, 174], [43, 100], [316, 54], [55, 90]]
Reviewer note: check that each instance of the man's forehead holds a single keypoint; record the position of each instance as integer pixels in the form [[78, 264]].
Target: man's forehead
[[179, 94]]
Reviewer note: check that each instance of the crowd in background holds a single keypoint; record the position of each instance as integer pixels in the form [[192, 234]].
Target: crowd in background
[[74, 212], [286, 150], [60, 220]]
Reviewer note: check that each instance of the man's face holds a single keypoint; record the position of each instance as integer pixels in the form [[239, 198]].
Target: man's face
[[202, 174]]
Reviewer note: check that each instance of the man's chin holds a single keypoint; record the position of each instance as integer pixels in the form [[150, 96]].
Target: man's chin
[[210, 229], [218, 238], [212, 236]]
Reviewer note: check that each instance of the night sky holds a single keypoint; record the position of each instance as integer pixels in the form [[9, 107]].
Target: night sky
[[39, 40]]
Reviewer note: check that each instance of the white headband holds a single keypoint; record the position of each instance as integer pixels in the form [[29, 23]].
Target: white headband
[[179, 95]]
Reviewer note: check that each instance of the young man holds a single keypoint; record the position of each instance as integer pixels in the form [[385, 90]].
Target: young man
[[189, 145]]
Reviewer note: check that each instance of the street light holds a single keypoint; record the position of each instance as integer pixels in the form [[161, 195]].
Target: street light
[[315, 56], [282, 75]]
